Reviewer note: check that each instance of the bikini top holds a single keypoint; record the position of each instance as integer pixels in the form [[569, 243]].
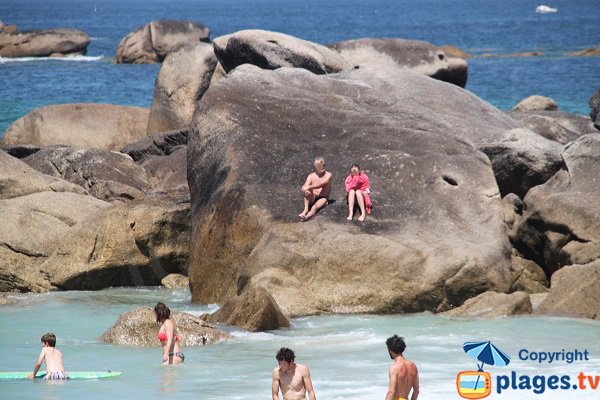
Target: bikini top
[[163, 336]]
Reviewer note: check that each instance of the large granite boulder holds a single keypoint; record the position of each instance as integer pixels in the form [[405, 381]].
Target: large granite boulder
[[132, 244], [36, 212], [272, 50], [254, 310], [413, 55], [100, 126], [43, 43], [594, 103], [574, 292], [106, 175], [173, 281], [493, 305], [138, 327], [536, 103], [561, 225], [151, 43], [436, 237], [559, 126], [183, 78], [527, 276]]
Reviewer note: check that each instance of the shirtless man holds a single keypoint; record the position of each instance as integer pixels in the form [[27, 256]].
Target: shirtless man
[[293, 379], [403, 373], [316, 190], [53, 357]]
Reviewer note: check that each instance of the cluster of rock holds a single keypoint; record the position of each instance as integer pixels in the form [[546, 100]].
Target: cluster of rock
[[473, 206], [41, 43]]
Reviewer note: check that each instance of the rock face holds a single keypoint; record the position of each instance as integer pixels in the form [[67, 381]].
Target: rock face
[[43, 43], [436, 237], [138, 327], [558, 126], [173, 281], [528, 276], [595, 109], [455, 52], [272, 50], [100, 126], [493, 305], [561, 225], [413, 55], [536, 103], [36, 211], [133, 244], [106, 175], [574, 292], [521, 159], [159, 144], [183, 78], [152, 42], [254, 310]]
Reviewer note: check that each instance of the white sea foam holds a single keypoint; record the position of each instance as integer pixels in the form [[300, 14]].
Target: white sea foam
[[79, 58]]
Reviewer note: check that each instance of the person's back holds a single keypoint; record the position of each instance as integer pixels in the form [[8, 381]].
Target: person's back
[[404, 376], [54, 359]]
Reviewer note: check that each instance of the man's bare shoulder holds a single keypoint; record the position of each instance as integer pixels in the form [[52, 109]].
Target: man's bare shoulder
[[276, 372], [303, 369]]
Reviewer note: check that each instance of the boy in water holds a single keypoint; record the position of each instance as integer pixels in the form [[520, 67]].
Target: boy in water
[[53, 357]]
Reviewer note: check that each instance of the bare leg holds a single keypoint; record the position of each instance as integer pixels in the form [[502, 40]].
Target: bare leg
[[351, 195], [318, 205], [307, 200], [360, 199]]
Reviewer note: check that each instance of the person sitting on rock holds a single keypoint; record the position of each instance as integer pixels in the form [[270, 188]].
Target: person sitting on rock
[[358, 189], [316, 190]]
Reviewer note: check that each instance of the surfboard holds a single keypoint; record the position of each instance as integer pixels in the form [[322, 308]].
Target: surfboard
[[72, 375]]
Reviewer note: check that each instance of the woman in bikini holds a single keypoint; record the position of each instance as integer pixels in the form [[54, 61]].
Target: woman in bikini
[[168, 336]]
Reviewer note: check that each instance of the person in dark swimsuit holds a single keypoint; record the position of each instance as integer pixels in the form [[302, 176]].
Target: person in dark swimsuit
[[316, 190], [167, 335]]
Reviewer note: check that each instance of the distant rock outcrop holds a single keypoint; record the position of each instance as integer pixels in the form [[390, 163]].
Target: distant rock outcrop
[[100, 126], [173, 281], [43, 43], [254, 310], [272, 50], [413, 55], [183, 78], [151, 43], [138, 327], [591, 52], [536, 103], [492, 305]]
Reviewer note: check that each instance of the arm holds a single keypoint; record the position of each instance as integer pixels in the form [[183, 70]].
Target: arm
[[415, 392], [306, 185], [275, 386], [392, 386], [38, 364], [169, 331], [308, 385]]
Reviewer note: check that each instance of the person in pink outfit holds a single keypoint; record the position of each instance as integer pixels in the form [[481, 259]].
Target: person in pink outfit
[[358, 189]]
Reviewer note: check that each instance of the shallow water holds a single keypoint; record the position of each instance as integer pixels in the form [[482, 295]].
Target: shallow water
[[346, 354]]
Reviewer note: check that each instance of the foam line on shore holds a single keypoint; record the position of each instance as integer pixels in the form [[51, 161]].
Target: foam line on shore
[[6, 60]]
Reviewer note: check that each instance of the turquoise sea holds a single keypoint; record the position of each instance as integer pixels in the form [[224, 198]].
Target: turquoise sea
[[346, 354]]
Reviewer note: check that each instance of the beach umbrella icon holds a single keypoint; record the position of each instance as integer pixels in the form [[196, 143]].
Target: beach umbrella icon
[[487, 353]]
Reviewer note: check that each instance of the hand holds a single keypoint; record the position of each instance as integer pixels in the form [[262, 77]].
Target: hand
[[304, 189], [31, 376]]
